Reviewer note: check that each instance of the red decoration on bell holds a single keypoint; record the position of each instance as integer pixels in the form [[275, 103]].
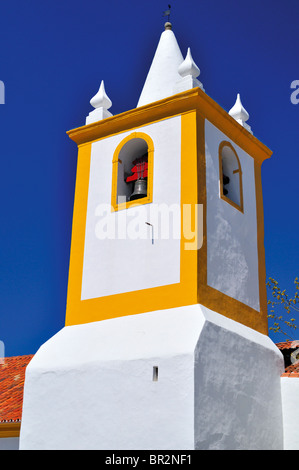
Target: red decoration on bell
[[139, 170]]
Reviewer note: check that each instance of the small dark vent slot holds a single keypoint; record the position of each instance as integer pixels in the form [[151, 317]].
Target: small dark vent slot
[[155, 374]]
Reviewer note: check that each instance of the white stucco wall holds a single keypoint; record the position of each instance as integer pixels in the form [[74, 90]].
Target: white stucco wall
[[237, 388], [91, 387], [231, 235], [128, 260], [290, 408]]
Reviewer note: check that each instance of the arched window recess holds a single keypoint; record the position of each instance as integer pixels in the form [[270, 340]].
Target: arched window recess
[[132, 171], [230, 174]]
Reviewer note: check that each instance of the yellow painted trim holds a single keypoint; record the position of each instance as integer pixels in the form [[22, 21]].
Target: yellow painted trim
[[240, 207], [78, 230], [175, 295], [260, 245], [150, 148], [10, 430], [194, 99]]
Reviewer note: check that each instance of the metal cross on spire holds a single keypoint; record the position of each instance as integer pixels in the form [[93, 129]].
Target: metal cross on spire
[[167, 12]]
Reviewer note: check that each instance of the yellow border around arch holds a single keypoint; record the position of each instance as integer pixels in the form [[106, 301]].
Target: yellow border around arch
[[149, 198], [240, 206]]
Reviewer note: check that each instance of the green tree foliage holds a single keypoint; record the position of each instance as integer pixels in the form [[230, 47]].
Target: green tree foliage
[[281, 307]]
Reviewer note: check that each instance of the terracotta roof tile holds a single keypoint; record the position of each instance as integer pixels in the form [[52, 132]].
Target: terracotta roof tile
[[12, 376], [284, 345], [287, 347], [292, 370]]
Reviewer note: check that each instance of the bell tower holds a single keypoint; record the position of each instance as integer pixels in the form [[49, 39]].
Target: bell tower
[[165, 343], [168, 208]]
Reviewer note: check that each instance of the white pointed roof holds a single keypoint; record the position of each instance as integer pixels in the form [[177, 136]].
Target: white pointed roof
[[163, 73]]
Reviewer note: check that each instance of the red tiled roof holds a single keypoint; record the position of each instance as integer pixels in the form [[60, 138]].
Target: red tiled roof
[[12, 376], [291, 370], [288, 345], [284, 345]]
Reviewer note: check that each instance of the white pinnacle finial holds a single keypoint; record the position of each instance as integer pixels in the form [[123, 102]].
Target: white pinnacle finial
[[188, 67], [188, 70], [101, 102], [239, 113]]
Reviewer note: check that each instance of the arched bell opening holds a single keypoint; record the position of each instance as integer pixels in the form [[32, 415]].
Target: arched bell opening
[[230, 174], [134, 160]]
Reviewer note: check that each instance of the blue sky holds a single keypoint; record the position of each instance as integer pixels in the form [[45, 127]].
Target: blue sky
[[53, 57]]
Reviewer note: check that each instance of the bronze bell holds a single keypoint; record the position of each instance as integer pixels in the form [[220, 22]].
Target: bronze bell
[[140, 189], [225, 182]]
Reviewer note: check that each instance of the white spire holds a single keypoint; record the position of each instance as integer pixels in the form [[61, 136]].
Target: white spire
[[188, 71], [101, 102], [239, 113], [163, 73]]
